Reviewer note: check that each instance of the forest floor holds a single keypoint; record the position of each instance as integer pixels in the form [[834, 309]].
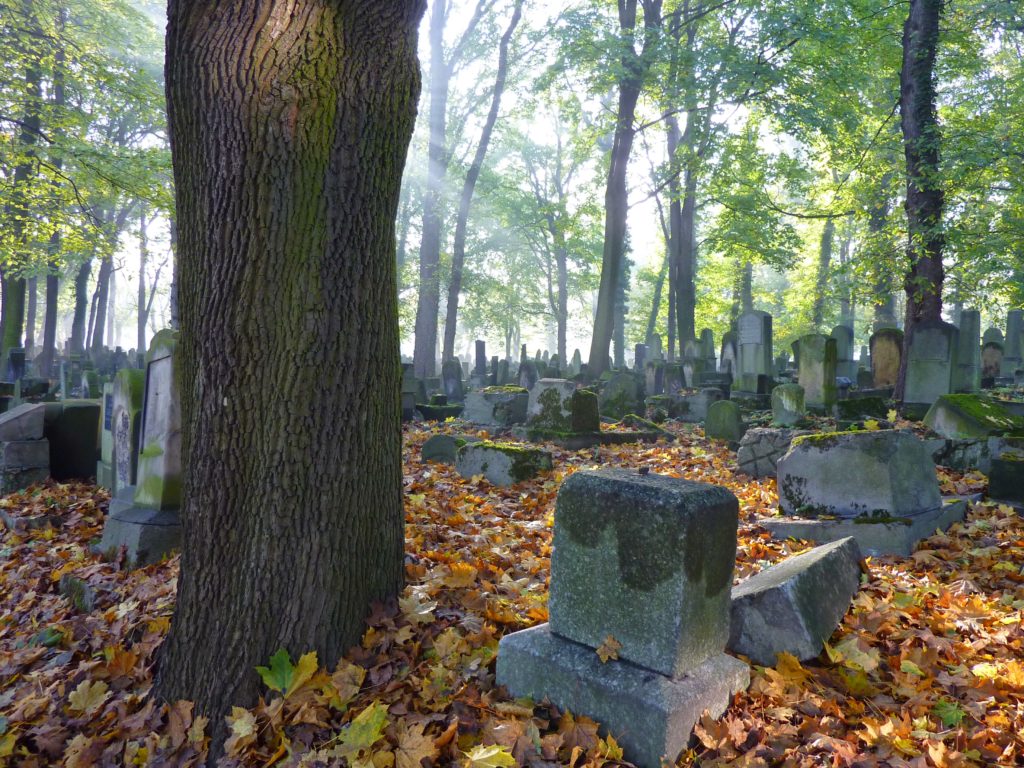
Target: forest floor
[[927, 668]]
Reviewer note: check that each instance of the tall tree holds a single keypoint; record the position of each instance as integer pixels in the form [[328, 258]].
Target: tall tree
[[633, 67], [469, 185], [290, 123], [925, 197]]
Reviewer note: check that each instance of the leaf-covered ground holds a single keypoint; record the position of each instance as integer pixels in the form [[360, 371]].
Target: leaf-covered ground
[[926, 670]]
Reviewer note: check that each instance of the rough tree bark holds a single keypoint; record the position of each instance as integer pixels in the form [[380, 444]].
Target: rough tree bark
[[140, 324], [925, 199], [289, 126], [32, 289], [469, 185], [616, 204], [78, 319], [884, 300], [828, 233]]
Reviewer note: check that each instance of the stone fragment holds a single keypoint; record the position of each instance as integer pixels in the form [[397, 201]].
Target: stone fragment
[[818, 371], [550, 405], [443, 448], [970, 416], [497, 406], [796, 605], [623, 540], [760, 450], [621, 395], [501, 463], [23, 422]]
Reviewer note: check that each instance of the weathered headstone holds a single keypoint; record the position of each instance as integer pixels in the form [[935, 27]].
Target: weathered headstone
[[1013, 344], [727, 360], [144, 519], [992, 334], [931, 360], [760, 449], [724, 422], [644, 561], [655, 377], [126, 425], [991, 362], [24, 452], [105, 465], [498, 406], [528, 375], [501, 463], [967, 373], [451, 381], [707, 349], [755, 348], [620, 395], [886, 354], [577, 363], [788, 404], [654, 347], [967, 416], [639, 357], [845, 364], [550, 405], [818, 370]]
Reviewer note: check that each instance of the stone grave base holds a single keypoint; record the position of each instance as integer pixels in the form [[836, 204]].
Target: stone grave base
[[576, 441], [16, 479], [751, 400], [875, 539], [147, 534], [105, 475], [650, 715]]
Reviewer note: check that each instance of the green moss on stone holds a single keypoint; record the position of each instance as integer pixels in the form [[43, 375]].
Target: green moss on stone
[[509, 389]]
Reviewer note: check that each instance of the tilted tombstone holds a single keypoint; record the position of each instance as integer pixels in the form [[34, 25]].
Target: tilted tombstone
[[503, 373], [845, 364], [1013, 344], [967, 374], [755, 348], [528, 375], [886, 354], [818, 370], [481, 358], [992, 334], [577, 363], [492, 378], [654, 375], [931, 360], [144, 519], [707, 347], [639, 357], [646, 561], [654, 347]]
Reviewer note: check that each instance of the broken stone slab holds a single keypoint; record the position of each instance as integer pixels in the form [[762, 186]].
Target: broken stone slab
[[620, 395], [25, 454], [497, 406], [650, 715], [443, 448], [501, 463], [146, 534], [874, 537], [760, 450], [647, 559], [966, 416], [796, 605], [24, 422], [881, 474], [550, 405]]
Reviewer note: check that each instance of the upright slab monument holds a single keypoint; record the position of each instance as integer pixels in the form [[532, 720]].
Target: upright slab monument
[[967, 373], [886, 354], [818, 371], [845, 364], [755, 349], [1013, 344], [932, 358]]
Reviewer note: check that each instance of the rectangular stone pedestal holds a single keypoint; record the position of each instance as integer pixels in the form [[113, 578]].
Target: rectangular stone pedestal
[[875, 539], [650, 715], [147, 534]]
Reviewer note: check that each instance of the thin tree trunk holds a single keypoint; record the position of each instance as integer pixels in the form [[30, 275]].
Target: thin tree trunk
[[30, 315], [140, 326], [50, 313], [425, 342], [883, 298], [616, 203], [78, 321], [111, 330], [925, 199], [286, 203], [821, 280], [100, 303], [469, 185]]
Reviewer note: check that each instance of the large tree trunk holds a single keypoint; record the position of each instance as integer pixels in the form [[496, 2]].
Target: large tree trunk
[[924, 201], [78, 320], [616, 202], [286, 199], [425, 343], [469, 185]]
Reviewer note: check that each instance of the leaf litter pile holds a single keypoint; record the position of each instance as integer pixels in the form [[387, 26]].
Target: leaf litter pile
[[927, 668]]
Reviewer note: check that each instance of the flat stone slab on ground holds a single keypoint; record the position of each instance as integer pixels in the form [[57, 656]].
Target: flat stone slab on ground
[[498, 406], [650, 715], [577, 441], [760, 449], [796, 605], [25, 422], [873, 538], [967, 416], [443, 448]]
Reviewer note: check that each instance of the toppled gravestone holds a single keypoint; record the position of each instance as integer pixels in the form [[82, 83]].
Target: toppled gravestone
[[760, 449], [501, 463], [724, 422], [642, 564], [497, 406], [443, 448], [796, 605], [877, 486], [970, 416]]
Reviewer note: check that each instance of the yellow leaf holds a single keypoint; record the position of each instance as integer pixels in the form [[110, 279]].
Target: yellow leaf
[[304, 669], [892, 415], [242, 723], [347, 680], [87, 697], [849, 653], [871, 425], [609, 649], [7, 742], [462, 575], [985, 670], [493, 756], [413, 745]]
